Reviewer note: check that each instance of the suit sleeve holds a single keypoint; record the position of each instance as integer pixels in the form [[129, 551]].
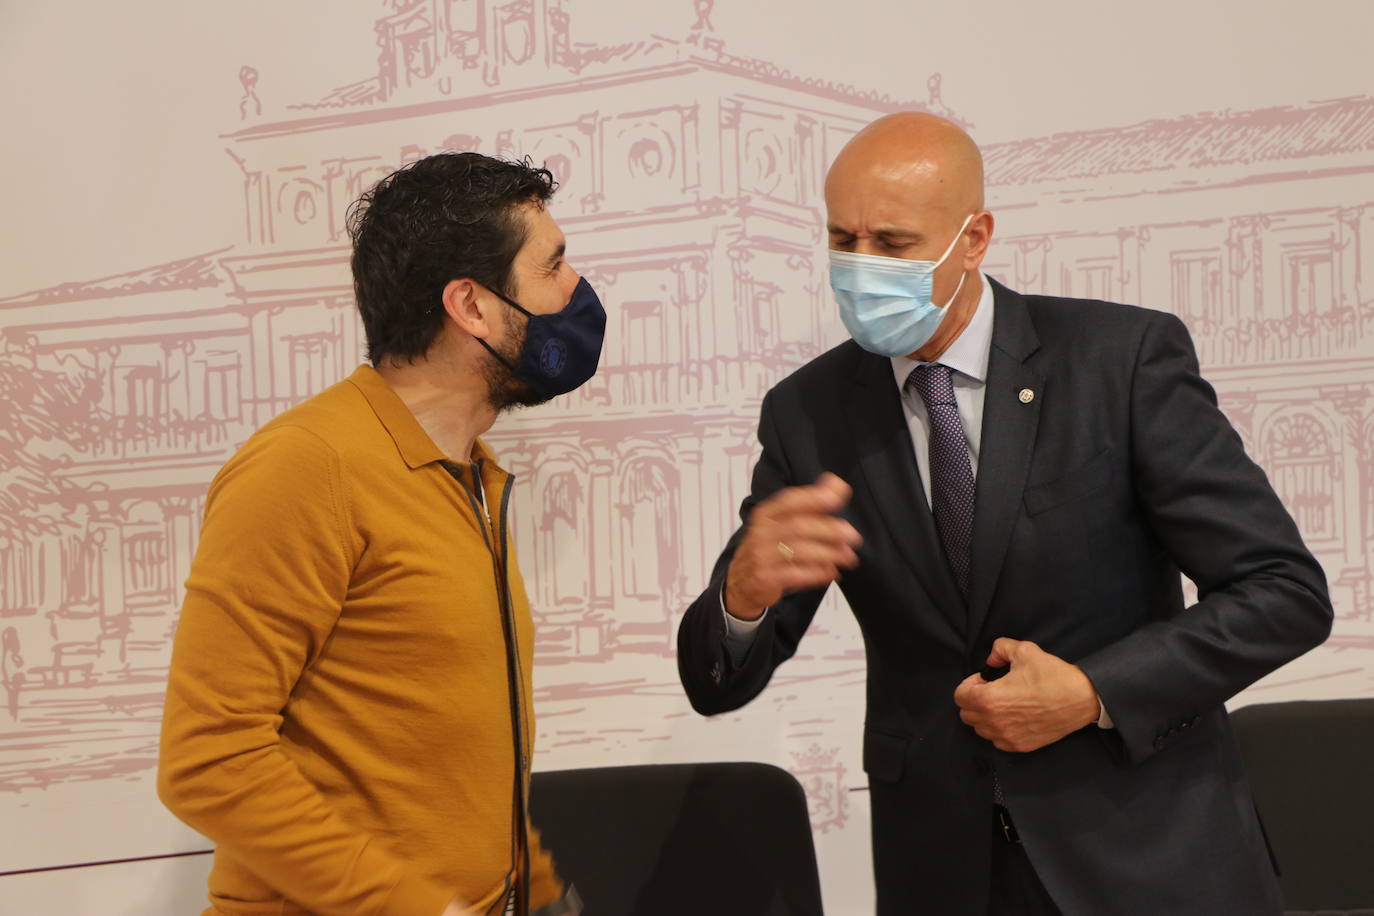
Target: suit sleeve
[[265, 590], [1262, 597], [716, 682]]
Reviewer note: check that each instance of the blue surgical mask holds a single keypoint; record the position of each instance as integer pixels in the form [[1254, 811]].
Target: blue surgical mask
[[562, 349], [885, 302]]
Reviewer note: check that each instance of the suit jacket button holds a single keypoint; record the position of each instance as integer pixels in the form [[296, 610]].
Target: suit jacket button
[[716, 672], [1159, 742]]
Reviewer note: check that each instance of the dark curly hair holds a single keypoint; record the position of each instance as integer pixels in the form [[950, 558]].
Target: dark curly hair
[[438, 219]]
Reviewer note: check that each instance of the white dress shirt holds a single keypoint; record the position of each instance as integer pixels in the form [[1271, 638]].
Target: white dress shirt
[[968, 356]]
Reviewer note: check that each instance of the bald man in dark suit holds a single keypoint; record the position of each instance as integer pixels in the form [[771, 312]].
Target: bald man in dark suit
[[1011, 485]]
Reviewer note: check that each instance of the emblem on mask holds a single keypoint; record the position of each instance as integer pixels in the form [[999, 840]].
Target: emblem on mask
[[553, 357]]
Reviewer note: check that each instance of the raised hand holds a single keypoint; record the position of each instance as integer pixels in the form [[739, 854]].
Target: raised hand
[[792, 540]]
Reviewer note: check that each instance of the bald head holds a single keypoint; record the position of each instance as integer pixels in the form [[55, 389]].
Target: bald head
[[902, 186], [932, 157]]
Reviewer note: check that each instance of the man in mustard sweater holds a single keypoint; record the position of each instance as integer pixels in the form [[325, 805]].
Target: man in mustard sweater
[[348, 709]]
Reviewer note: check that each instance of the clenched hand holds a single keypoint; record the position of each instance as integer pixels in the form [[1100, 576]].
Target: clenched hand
[[1040, 700]]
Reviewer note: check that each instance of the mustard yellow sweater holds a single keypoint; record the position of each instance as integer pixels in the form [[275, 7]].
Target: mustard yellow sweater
[[338, 717]]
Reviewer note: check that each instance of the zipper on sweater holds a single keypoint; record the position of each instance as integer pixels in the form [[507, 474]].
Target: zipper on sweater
[[499, 559], [515, 673]]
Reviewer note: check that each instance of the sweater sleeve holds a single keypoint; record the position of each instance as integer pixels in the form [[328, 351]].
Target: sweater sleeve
[[267, 584]]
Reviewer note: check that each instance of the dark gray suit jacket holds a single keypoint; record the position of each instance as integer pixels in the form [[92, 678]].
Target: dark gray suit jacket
[[1091, 498]]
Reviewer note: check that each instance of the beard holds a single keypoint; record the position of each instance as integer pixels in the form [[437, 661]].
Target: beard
[[505, 391]]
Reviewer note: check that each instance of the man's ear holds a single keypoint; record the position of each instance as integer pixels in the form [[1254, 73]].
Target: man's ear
[[980, 236], [467, 307]]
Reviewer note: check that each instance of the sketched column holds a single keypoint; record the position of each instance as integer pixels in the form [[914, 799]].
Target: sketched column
[[1363, 232], [108, 540], [180, 515], [729, 148], [741, 456], [105, 358], [601, 503], [108, 534], [695, 524], [1031, 260], [1348, 255], [1355, 277], [1351, 584], [48, 544], [260, 393], [176, 369], [1133, 241], [1246, 244]]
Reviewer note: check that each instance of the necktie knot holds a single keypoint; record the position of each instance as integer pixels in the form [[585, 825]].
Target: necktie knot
[[934, 382]]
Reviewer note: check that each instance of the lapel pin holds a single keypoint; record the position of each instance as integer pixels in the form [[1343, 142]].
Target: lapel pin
[[1027, 395]]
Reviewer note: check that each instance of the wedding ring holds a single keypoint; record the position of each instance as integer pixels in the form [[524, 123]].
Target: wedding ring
[[788, 553]]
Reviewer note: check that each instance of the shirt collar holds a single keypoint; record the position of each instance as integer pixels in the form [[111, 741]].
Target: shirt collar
[[968, 354], [414, 444]]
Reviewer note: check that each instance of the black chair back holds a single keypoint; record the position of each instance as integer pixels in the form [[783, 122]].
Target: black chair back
[[708, 839], [1311, 765]]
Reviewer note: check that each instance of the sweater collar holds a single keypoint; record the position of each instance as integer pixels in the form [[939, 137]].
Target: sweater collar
[[414, 444]]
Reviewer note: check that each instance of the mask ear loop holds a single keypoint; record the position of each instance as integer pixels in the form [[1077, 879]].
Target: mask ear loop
[[963, 276], [499, 358], [519, 308], [955, 295], [957, 236]]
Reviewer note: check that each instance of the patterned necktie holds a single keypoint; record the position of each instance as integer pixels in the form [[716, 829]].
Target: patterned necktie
[[951, 471]]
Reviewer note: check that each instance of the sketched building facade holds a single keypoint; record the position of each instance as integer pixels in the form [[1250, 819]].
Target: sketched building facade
[[691, 198]]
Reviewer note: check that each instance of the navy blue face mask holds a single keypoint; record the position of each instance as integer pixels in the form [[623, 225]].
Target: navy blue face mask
[[562, 349]]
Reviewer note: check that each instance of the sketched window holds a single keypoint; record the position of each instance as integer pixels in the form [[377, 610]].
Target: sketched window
[[644, 331], [18, 576], [146, 572], [143, 392], [81, 570], [1309, 275], [1196, 277], [1094, 281], [310, 356], [223, 396], [564, 554], [649, 529]]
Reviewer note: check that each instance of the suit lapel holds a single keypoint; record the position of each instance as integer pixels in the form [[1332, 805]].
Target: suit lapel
[[1010, 419], [888, 462]]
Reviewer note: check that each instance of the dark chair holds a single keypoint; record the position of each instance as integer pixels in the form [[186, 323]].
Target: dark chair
[[705, 839], [1311, 765]]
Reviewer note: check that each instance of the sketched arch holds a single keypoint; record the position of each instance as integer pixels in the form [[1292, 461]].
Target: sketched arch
[[1308, 480], [644, 471], [1325, 420], [561, 489]]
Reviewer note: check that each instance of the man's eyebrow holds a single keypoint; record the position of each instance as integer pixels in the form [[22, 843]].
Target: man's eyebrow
[[892, 232], [557, 255], [888, 232]]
